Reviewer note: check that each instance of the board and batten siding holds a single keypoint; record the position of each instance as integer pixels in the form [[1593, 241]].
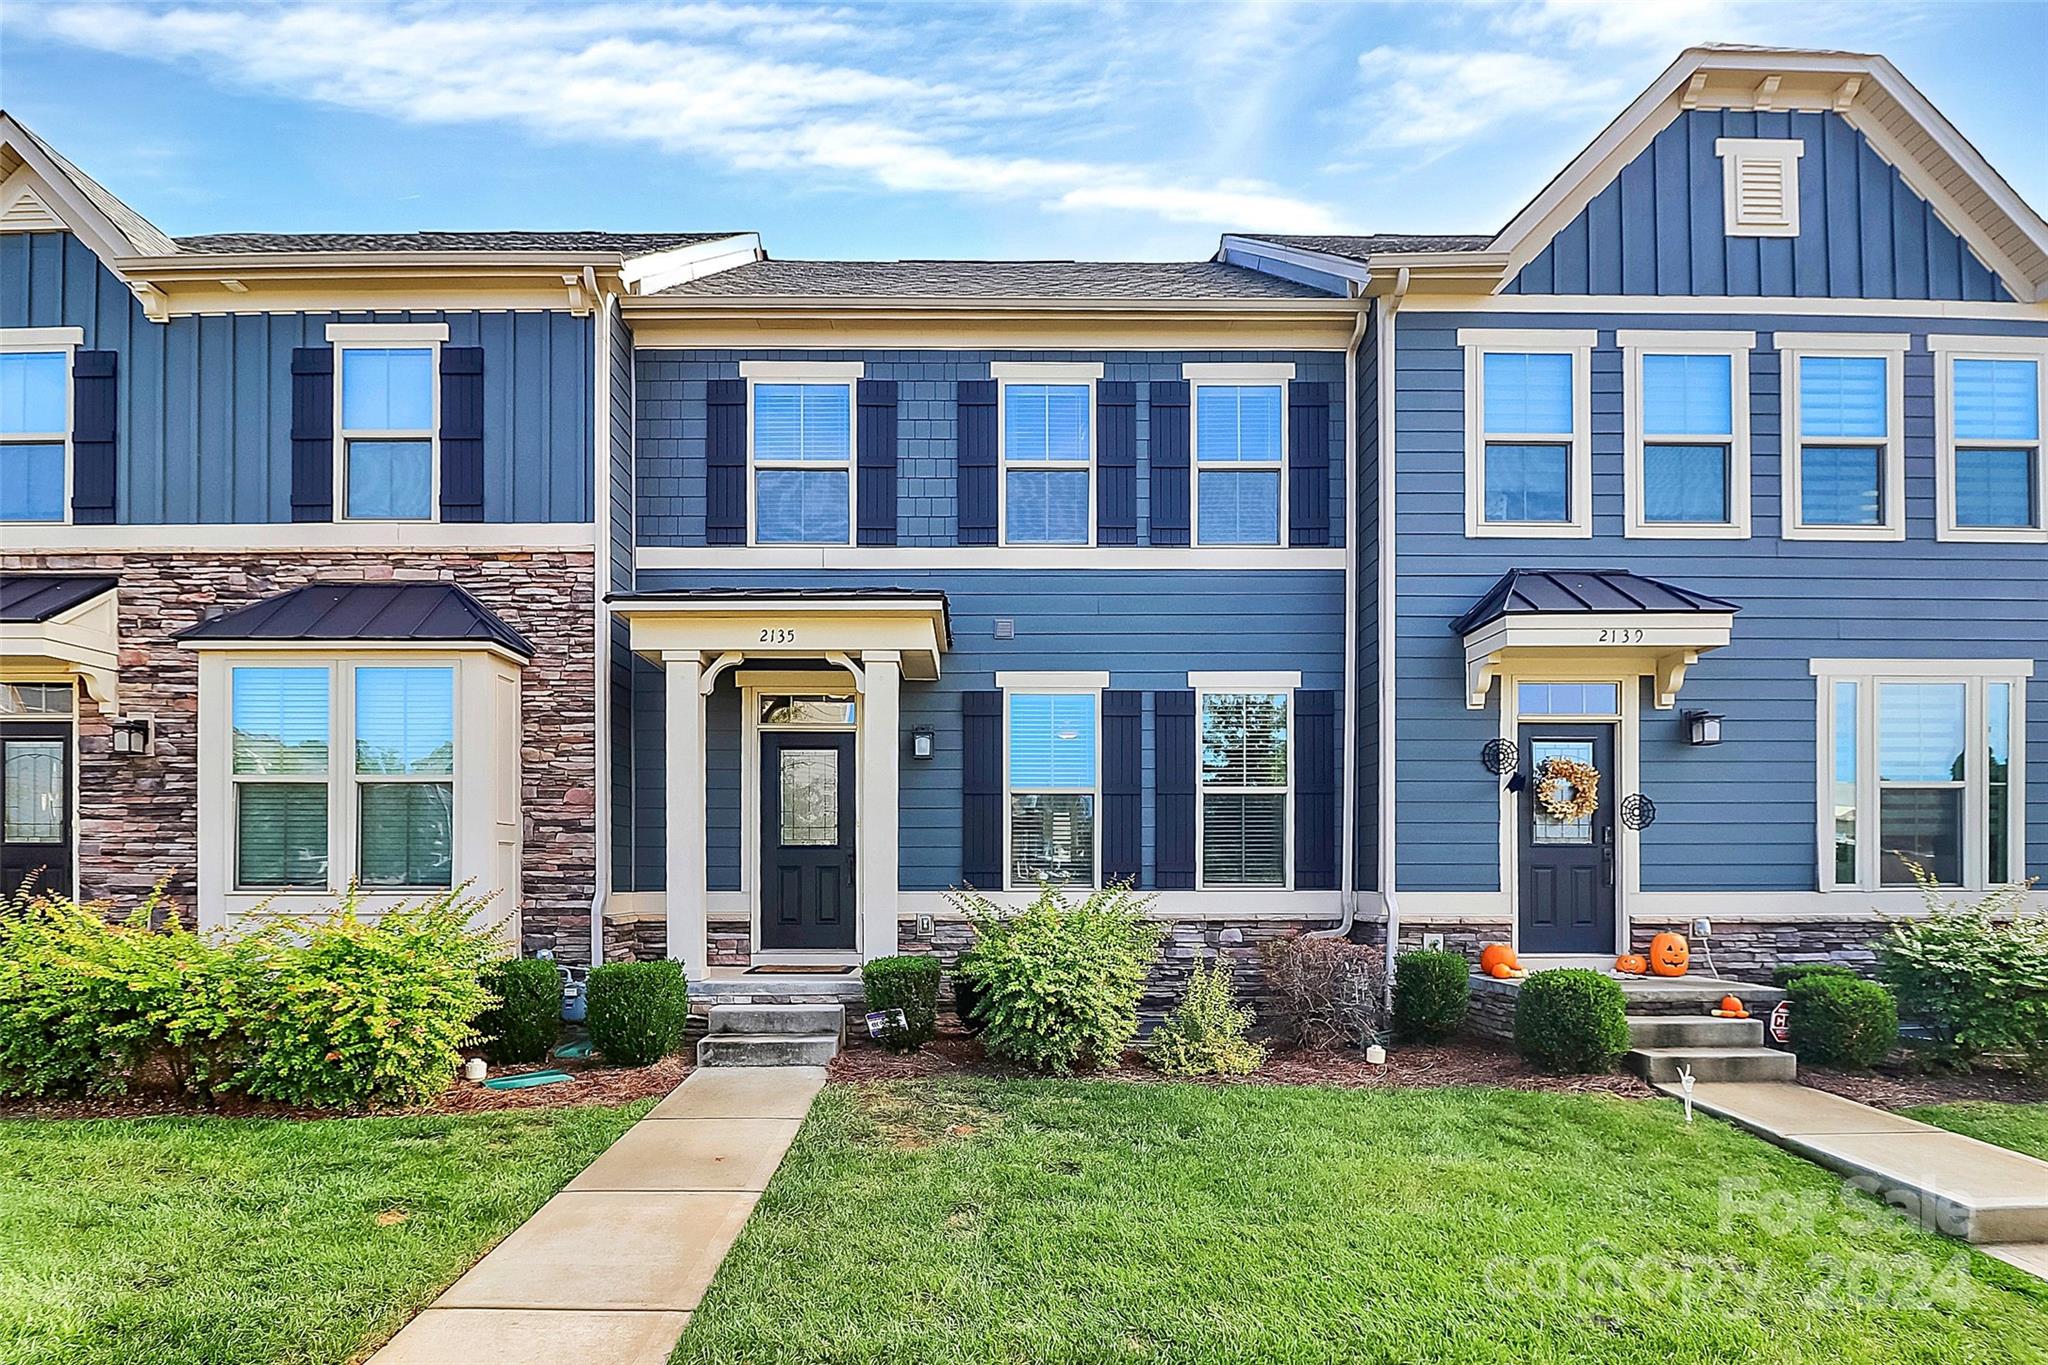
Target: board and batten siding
[[1739, 816], [204, 434], [671, 425], [1658, 228], [1146, 628]]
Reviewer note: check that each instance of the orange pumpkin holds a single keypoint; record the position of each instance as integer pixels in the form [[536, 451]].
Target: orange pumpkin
[[1501, 971], [1731, 1008], [1669, 955], [1498, 955], [1631, 964]]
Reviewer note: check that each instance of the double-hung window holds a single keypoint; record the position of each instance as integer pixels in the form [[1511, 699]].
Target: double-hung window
[[35, 423], [405, 775], [1687, 412], [1242, 818], [1528, 463], [281, 760], [388, 414], [1993, 464], [1844, 460], [1048, 453], [1921, 763], [803, 461], [1240, 452], [1052, 763]]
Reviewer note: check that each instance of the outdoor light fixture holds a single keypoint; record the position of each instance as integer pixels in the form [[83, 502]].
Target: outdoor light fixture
[[922, 742], [1703, 728], [132, 735]]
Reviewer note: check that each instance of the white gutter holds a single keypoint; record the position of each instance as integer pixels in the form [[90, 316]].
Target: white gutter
[[601, 629], [1388, 843]]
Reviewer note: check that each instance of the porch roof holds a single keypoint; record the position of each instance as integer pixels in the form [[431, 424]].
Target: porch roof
[[59, 627], [384, 613], [1524, 592], [784, 622]]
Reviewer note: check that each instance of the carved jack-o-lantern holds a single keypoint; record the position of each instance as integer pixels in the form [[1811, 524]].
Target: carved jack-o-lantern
[[1669, 955], [1631, 964]]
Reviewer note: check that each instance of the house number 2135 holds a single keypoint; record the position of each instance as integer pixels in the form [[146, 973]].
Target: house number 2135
[[777, 635], [1621, 635]]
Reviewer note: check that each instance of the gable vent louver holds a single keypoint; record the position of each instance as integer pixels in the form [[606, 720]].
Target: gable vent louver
[[28, 213], [1760, 179]]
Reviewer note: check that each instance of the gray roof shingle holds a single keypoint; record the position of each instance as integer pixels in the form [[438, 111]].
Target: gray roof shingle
[[994, 280], [1360, 248], [1536, 592], [627, 244], [426, 612], [30, 597]]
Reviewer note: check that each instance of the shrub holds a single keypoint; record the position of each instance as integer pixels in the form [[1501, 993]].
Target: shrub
[[1431, 993], [1058, 983], [526, 1023], [638, 1010], [1842, 1020], [1571, 1020], [1328, 992], [1204, 1035], [342, 1013], [1976, 975], [911, 984], [1784, 975]]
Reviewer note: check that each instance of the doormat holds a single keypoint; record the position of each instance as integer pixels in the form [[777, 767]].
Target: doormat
[[792, 969]]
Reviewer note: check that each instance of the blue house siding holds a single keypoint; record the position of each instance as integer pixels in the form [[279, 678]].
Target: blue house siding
[[671, 426], [1739, 816], [1147, 629], [1659, 227], [205, 417]]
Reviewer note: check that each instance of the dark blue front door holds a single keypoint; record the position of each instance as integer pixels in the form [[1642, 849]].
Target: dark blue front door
[[807, 792], [1566, 897]]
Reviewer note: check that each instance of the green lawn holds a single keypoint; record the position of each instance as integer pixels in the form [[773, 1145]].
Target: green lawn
[[252, 1242], [970, 1220], [2022, 1127]]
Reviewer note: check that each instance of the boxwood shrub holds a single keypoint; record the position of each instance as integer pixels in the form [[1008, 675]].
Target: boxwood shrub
[[1784, 975], [909, 983], [638, 1011], [1571, 1020], [526, 1023], [1431, 993], [1842, 1020]]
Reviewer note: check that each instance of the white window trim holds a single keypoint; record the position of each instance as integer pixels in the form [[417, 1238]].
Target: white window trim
[[846, 374], [63, 341], [1202, 693], [1014, 688], [1244, 682], [1975, 675], [1052, 682], [1478, 342], [1228, 376], [1792, 348], [1736, 346], [374, 336], [1786, 154], [1947, 350], [1049, 375]]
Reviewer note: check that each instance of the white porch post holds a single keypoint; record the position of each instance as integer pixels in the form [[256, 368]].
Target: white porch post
[[688, 881], [880, 742]]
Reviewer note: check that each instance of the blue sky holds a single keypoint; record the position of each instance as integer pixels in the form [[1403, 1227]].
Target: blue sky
[[1037, 130]]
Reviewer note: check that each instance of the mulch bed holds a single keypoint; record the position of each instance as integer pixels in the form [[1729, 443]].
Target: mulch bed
[[1893, 1089], [1458, 1062]]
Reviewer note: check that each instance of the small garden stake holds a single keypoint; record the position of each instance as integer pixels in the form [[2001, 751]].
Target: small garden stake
[[1685, 1086]]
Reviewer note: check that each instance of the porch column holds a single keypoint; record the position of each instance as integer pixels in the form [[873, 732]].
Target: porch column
[[880, 744], [688, 880]]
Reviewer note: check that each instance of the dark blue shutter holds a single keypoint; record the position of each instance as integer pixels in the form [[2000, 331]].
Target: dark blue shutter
[[977, 461], [313, 433], [1116, 463], [875, 453], [462, 433], [1315, 790], [725, 462], [1308, 464], [981, 789], [1168, 457], [1123, 786], [95, 421], [1173, 757]]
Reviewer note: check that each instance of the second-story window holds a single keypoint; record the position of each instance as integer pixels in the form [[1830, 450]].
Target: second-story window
[[1527, 459], [387, 432], [35, 433], [1844, 463], [1239, 453], [803, 463], [1688, 432], [1047, 459], [1992, 465]]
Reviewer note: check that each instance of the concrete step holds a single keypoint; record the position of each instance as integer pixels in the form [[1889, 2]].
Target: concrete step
[[1702, 1030], [803, 1019], [1660, 1065], [767, 1049]]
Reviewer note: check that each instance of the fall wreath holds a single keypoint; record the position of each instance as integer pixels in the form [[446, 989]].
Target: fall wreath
[[1567, 789]]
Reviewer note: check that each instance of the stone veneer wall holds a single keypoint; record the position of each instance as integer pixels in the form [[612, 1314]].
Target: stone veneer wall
[[1746, 950], [138, 817]]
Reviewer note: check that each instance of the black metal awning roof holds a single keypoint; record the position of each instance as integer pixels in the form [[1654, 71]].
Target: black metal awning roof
[[1559, 592], [426, 613], [32, 597]]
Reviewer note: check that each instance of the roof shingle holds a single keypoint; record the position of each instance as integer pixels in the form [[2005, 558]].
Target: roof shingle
[[1361, 248], [627, 244], [994, 280]]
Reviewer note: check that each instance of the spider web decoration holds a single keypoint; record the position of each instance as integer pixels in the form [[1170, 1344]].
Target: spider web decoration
[[1638, 811], [1499, 756]]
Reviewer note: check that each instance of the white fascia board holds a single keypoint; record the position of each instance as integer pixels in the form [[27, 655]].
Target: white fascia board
[[396, 332], [659, 270], [1343, 267]]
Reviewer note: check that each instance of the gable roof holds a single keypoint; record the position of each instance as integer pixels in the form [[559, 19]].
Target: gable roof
[[109, 226], [1364, 247], [994, 280], [415, 613], [625, 244]]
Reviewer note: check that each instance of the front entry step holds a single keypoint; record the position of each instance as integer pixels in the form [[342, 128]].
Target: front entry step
[[772, 1035], [810, 1019], [1661, 1065], [1684, 1030]]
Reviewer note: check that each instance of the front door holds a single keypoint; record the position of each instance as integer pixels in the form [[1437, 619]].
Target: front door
[[807, 792], [35, 807], [1566, 896]]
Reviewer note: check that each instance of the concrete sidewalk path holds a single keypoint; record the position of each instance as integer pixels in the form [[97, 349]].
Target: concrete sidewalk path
[[609, 1270]]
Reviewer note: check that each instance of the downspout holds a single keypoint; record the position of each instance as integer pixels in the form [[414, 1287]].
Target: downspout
[[1347, 872], [1389, 844], [601, 633]]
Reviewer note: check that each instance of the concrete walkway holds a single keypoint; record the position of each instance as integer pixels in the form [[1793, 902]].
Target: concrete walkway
[[609, 1270], [1986, 1195]]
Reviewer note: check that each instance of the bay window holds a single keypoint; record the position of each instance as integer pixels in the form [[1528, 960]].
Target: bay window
[[1052, 765], [1991, 461]]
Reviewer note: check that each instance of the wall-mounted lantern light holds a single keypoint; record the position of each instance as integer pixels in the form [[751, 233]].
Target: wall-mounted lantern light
[[1702, 728], [922, 743], [133, 735]]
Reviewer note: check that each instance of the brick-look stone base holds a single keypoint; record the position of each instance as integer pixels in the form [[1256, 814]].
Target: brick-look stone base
[[138, 817], [1747, 950]]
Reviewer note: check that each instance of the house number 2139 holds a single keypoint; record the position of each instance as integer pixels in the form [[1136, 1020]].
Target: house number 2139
[[1621, 635], [777, 635]]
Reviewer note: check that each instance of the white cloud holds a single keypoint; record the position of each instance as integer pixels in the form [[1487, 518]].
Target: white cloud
[[862, 95], [1440, 99]]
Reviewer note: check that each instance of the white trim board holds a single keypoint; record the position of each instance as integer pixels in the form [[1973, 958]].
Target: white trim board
[[1733, 306], [1245, 682], [1061, 557], [311, 537]]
